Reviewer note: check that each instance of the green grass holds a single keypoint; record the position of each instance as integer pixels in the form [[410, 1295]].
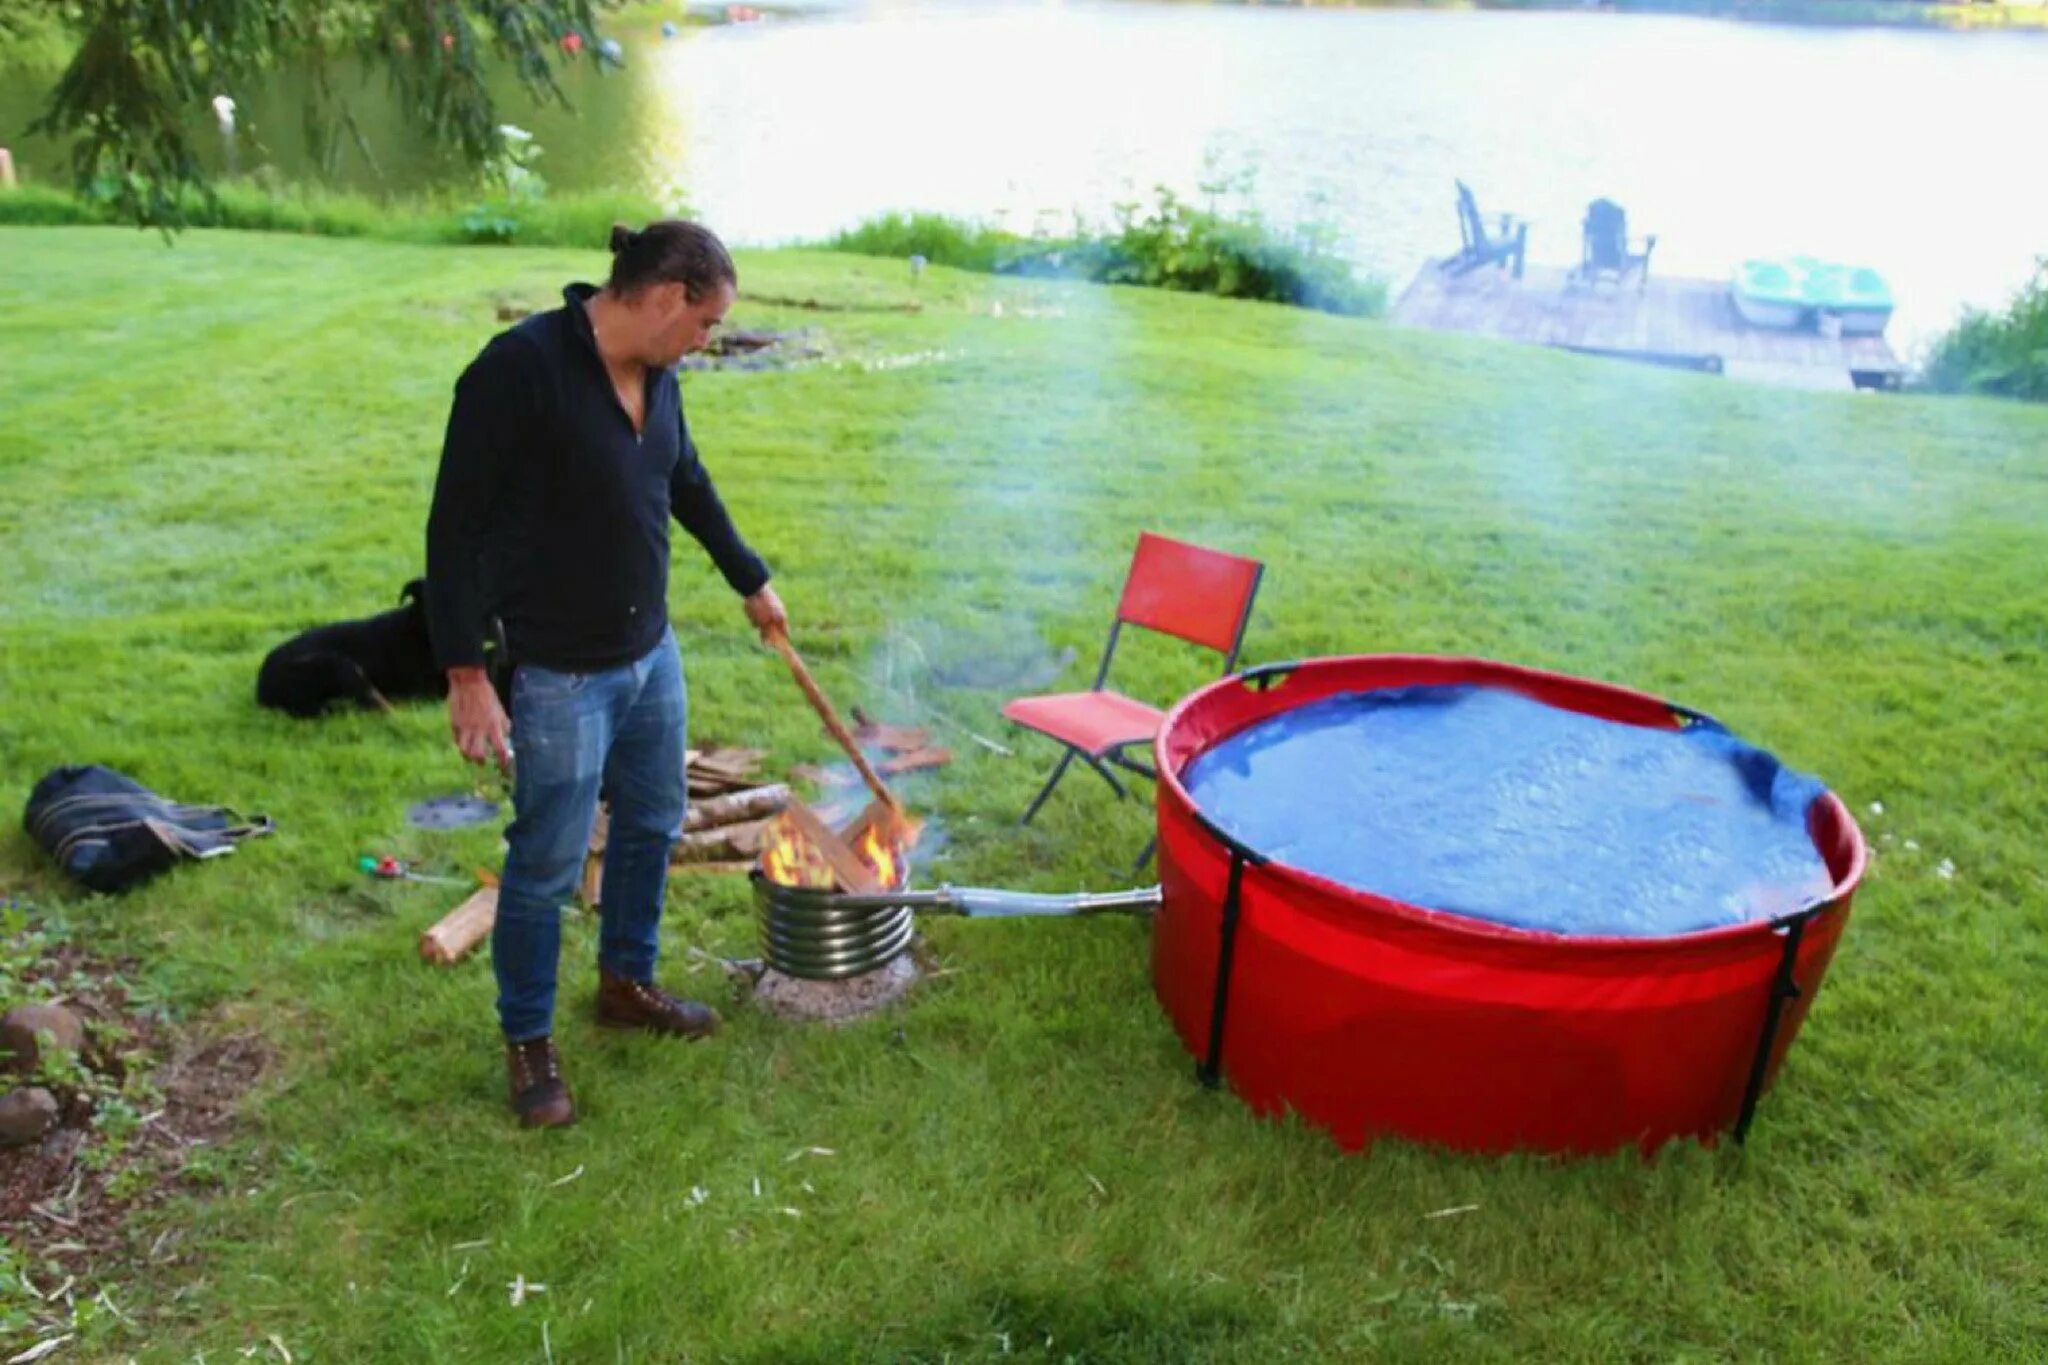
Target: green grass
[[208, 445]]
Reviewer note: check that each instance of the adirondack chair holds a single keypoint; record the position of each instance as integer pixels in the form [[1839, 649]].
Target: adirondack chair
[[1607, 251], [1505, 245]]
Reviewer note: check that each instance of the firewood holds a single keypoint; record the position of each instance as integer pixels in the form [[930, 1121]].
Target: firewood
[[917, 761], [704, 788], [895, 739], [847, 867], [461, 929], [728, 764], [751, 804], [720, 841], [738, 867]]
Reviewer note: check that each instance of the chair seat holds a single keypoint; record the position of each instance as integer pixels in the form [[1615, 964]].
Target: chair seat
[[1093, 722]]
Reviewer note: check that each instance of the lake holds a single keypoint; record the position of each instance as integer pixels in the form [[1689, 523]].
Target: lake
[[1904, 149]]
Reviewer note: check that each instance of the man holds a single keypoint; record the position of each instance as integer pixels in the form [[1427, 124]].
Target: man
[[566, 454]]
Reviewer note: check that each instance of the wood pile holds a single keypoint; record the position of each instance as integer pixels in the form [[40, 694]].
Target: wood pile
[[731, 806]]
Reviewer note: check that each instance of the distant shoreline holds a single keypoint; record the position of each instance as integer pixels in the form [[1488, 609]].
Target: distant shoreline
[[1987, 16]]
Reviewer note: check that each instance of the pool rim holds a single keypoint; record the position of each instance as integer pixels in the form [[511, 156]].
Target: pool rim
[[1490, 672]]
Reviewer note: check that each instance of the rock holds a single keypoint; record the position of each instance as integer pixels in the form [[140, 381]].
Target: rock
[[25, 1115], [21, 1049]]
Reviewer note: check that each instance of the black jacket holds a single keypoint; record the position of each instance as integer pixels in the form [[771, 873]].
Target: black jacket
[[552, 515]]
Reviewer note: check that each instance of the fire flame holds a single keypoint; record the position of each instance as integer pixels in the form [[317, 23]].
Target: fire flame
[[881, 855], [789, 859]]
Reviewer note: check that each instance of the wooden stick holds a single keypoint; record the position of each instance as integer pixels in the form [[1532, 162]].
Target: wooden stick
[[751, 804], [461, 929], [780, 640]]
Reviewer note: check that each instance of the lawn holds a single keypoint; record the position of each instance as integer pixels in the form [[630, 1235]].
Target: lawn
[[206, 446]]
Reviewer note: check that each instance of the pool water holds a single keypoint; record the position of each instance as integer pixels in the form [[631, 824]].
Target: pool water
[[1480, 802]]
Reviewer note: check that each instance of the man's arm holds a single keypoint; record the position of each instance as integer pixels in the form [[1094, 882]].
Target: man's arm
[[694, 500], [491, 400]]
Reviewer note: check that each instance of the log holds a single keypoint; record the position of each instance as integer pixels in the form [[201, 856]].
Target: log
[[720, 841], [707, 787], [727, 764], [731, 867], [461, 929], [847, 868], [752, 804]]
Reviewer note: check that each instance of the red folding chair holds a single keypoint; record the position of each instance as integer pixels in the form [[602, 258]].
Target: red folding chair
[[1201, 596]]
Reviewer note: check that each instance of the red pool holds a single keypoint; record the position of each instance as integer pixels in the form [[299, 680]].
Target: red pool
[[1372, 1017]]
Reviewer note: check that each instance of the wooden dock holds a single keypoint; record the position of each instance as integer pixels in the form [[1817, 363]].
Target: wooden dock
[[1686, 324]]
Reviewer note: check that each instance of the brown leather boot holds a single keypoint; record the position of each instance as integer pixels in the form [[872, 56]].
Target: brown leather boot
[[624, 1003], [539, 1095]]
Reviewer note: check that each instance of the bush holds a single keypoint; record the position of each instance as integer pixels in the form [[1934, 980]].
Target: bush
[[258, 205], [1171, 245], [2004, 354], [940, 240], [40, 206]]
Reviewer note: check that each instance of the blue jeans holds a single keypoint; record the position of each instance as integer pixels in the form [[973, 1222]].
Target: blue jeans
[[572, 733]]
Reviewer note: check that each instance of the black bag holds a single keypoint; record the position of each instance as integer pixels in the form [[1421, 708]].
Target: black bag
[[113, 833]]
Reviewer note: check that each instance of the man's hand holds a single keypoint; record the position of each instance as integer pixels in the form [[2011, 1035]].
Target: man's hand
[[481, 729], [764, 609]]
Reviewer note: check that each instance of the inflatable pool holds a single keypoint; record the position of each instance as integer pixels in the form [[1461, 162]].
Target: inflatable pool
[[1488, 907]]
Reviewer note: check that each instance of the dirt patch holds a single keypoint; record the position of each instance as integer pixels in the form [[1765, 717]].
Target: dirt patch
[[139, 1110], [757, 349]]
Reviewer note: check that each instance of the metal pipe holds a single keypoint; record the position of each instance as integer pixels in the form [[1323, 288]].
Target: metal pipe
[[825, 935]]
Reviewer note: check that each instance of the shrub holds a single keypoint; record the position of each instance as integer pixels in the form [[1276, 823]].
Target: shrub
[[2004, 354], [1170, 245]]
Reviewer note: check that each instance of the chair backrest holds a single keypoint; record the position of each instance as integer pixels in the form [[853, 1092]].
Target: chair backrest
[[1471, 225], [1606, 235], [1194, 594]]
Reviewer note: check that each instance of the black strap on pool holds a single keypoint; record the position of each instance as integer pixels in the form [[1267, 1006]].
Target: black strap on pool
[[1210, 1072], [1784, 989]]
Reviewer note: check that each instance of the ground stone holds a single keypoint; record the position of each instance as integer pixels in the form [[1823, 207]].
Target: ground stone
[[26, 1115], [21, 1049]]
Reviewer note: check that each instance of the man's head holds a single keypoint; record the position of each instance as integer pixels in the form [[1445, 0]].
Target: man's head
[[679, 281]]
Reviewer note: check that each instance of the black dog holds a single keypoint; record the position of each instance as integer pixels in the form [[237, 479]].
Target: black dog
[[370, 662]]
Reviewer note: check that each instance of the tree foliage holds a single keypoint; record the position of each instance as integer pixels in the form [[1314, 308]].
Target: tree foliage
[[2005, 354], [142, 70]]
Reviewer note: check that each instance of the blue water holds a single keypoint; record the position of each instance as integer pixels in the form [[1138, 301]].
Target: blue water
[[1484, 803]]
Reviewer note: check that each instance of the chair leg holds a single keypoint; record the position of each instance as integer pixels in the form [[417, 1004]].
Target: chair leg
[[1102, 771], [1151, 847], [1059, 771]]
